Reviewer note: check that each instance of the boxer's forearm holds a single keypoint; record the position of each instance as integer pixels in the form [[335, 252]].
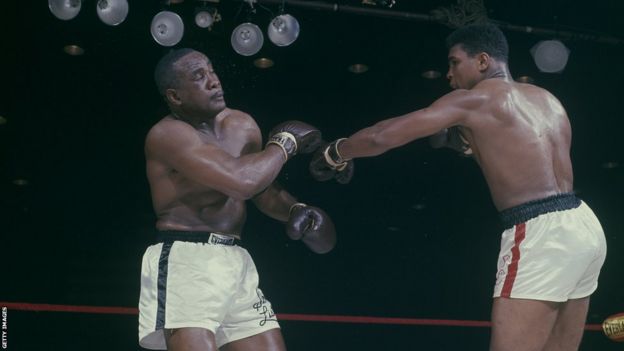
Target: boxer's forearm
[[390, 133], [361, 144], [275, 202], [371, 141]]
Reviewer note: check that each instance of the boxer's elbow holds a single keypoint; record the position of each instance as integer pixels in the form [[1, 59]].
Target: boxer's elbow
[[249, 184], [246, 189], [244, 193]]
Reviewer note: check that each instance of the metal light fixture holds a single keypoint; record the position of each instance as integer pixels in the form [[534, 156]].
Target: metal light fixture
[[204, 19], [167, 28], [358, 68], [64, 9], [206, 16], [431, 74], [550, 56], [112, 12], [73, 50], [263, 62], [20, 181], [283, 30], [247, 39], [525, 79], [611, 165]]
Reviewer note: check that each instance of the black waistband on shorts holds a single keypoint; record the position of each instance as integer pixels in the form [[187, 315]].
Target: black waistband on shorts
[[168, 236], [534, 208]]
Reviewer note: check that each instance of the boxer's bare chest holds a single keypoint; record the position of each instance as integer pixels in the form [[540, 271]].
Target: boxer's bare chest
[[230, 140]]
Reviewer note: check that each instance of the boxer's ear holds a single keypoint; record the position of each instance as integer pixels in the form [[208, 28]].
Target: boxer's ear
[[484, 60], [171, 95]]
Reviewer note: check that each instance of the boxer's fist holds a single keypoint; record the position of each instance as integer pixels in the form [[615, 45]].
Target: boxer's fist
[[312, 226], [327, 164], [451, 138], [295, 137]]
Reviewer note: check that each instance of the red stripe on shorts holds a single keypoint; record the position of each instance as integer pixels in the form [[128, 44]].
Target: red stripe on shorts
[[512, 269]]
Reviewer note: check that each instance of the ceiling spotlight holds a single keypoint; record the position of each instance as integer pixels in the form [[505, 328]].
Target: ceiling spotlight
[[20, 182], [263, 62], [611, 165], [112, 12], [550, 56], [358, 68], [283, 30], [431, 74], [419, 206], [167, 28], [525, 79], [247, 39], [64, 9], [73, 50]]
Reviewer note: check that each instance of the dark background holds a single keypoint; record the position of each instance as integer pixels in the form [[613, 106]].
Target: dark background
[[418, 234]]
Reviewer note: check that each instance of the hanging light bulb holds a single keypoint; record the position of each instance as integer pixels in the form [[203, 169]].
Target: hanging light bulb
[[204, 19], [64, 9], [167, 28], [112, 12], [247, 39], [283, 30], [550, 56]]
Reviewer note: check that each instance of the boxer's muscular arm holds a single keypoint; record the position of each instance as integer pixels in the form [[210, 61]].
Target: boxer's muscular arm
[[451, 109], [275, 202], [177, 145]]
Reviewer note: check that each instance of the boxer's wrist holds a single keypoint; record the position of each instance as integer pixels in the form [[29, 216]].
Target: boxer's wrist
[[335, 152], [294, 206], [285, 141], [333, 156]]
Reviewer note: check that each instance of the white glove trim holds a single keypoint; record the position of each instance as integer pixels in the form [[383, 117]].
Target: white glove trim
[[280, 139], [293, 206]]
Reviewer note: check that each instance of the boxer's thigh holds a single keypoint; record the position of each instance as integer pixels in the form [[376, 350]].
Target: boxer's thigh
[[190, 339], [270, 340], [521, 324]]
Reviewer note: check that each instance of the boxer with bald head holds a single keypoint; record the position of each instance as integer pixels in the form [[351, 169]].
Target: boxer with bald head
[[199, 289], [553, 247]]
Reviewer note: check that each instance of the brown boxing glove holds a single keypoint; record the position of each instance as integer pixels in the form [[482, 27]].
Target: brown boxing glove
[[312, 226], [324, 167], [295, 137]]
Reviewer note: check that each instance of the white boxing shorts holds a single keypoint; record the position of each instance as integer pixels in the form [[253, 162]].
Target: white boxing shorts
[[552, 250], [211, 284]]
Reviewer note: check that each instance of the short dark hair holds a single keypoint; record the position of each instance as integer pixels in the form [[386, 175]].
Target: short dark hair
[[164, 74], [477, 38]]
